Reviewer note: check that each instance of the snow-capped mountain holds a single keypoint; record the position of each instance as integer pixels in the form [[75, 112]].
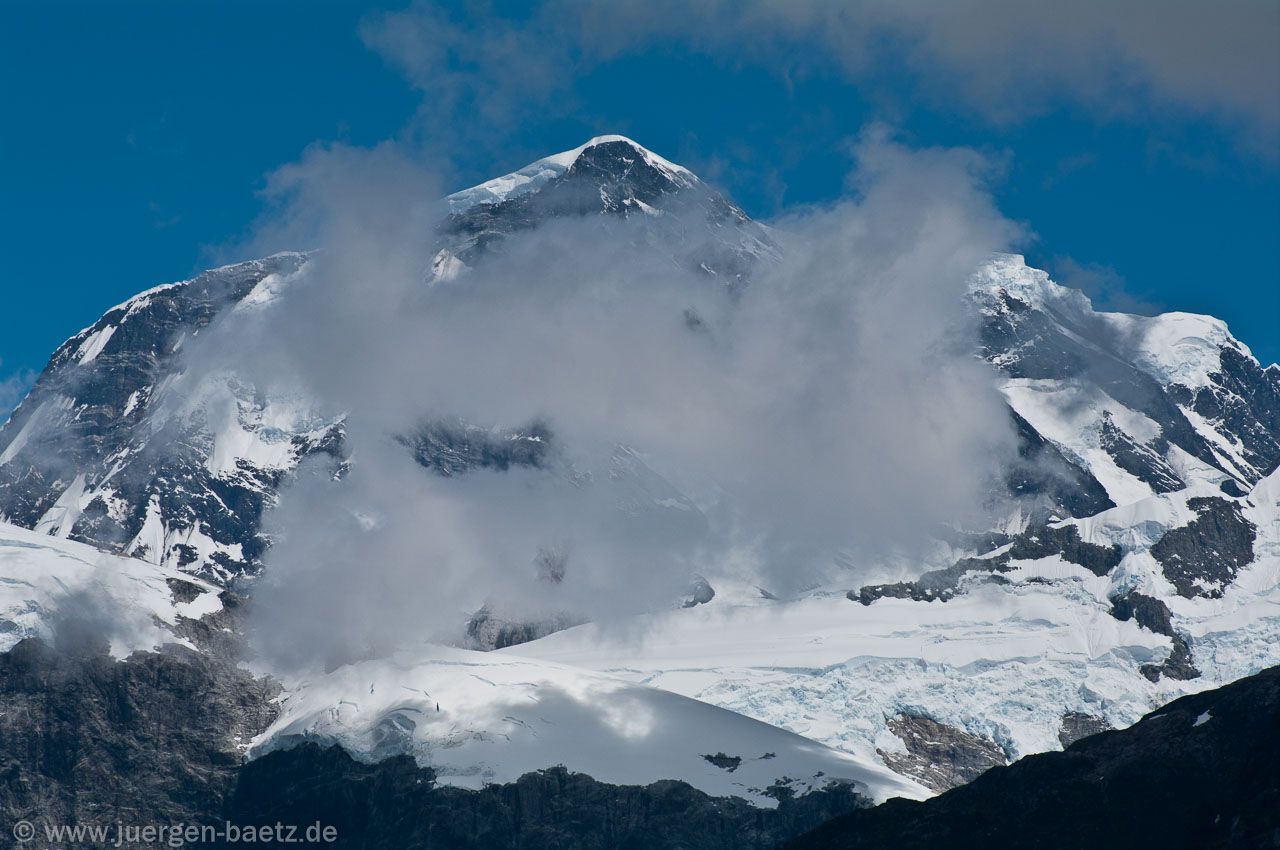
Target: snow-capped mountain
[[476, 718], [1142, 559], [1146, 564], [1145, 404], [102, 452], [105, 450], [609, 175]]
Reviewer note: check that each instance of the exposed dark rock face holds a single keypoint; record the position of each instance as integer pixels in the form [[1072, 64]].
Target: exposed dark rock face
[[724, 762], [1153, 614], [1077, 725], [1037, 542], [490, 629], [1231, 487], [1244, 398], [1177, 666], [933, 585], [1027, 342], [453, 448], [608, 178], [1043, 470], [1144, 461], [1203, 556], [184, 591], [1064, 540], [700, 593], [613, 178], [1147, 611], [938, 755], [153, 738], [220, 633], [90, 416], [395, 803], [1198, 774], [487, 631]]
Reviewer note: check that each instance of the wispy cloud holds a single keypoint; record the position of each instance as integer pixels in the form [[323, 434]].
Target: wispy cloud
[[831, 407], [822, 417], [1104, 285], [1150, 61]]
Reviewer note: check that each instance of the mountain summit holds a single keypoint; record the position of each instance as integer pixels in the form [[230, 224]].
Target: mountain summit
[[1141, 561], [610, 176], [624, 172]]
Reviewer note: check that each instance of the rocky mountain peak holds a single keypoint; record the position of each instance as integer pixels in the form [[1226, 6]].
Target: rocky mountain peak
[[604, 161], [611, 176]]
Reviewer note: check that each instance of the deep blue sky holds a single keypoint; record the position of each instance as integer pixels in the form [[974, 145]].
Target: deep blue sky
[[136, 137]]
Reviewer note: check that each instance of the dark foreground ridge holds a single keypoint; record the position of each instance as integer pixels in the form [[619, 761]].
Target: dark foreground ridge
[[154, 739], [1203, 772], [88, 740], [395, 803]]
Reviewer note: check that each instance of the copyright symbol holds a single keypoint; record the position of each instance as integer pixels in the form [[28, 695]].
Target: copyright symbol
[[24, 830]]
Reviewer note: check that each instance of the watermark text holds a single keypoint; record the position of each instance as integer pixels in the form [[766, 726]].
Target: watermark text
[[44, 834]]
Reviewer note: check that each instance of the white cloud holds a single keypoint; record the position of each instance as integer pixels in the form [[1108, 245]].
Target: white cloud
[[833, 406], [1146, 60]]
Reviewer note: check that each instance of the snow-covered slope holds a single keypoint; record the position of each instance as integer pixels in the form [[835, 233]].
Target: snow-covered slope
[[535, 175], [51, 587], [477, 718], [1002, 661], [686, 219], [108, 449], [1015, 657], [1145, 404]]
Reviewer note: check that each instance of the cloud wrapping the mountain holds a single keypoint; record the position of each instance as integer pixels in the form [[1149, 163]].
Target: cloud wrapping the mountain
[[823, 415]]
